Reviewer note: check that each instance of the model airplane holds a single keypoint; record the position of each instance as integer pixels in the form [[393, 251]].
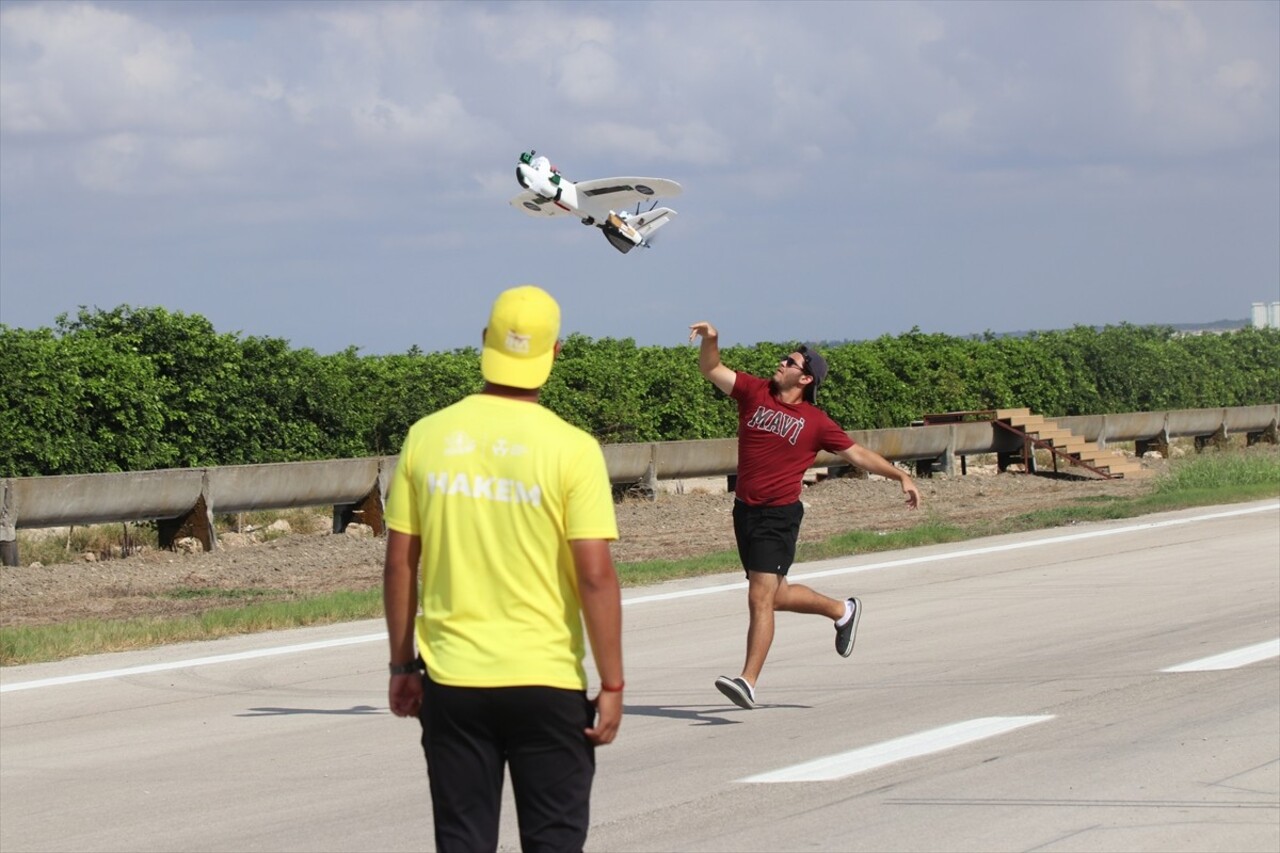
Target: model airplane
[[601, 202]]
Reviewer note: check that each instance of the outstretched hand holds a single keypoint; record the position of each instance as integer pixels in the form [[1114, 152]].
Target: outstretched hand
[[703, 328], [913, 494]]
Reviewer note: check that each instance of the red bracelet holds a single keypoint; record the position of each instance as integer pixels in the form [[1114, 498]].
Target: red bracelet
[[604, 688]]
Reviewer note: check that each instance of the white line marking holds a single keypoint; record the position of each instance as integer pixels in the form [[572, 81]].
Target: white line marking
[[662, 596], [183, 664], [1231, 660], [970, 552], [899, 749]]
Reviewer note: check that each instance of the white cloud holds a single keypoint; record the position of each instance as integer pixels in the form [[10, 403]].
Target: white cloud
[[1196, 89], [1241, 75], [79, 68], [383, 121], [536, 33], [204, 155], [589, 75], [692, 142], [126, 97], [396, 124], [492, 182], [300, 107], [110, 162]]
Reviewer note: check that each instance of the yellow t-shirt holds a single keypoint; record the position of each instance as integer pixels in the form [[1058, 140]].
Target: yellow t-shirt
[[496, 489]]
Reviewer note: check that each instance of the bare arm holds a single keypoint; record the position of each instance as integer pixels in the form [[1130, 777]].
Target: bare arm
[[602, 614], [709, 357], [872, 462], [400, 603]]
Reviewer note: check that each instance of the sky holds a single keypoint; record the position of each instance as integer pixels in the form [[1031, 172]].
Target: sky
[[338, 174]]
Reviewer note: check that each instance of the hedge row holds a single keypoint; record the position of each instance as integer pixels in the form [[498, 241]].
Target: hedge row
[[141, 388]]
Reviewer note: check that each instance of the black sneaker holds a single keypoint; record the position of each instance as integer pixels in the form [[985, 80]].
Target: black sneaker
[[846, 632], [738, 691]]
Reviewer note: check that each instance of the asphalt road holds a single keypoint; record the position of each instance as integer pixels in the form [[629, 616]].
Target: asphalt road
[[1103, 687]]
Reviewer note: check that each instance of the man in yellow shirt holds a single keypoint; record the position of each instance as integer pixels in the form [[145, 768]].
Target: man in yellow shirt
[[506, 512]]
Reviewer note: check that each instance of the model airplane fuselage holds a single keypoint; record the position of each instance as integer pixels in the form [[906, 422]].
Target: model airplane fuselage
[[602, 202]]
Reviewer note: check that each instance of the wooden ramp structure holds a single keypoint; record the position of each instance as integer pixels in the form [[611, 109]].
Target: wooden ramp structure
[[1041, 433], [1038, 433]]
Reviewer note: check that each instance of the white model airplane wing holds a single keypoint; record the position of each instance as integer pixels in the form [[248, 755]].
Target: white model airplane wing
[[604, 194], [539, 206]]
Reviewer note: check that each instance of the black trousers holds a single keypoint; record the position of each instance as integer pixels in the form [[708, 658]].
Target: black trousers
[[469, 734]]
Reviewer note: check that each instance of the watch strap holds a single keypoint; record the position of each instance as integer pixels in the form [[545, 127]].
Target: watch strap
[[411, 668]]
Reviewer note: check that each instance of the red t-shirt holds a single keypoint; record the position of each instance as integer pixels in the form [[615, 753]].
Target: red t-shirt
[[777, 442]]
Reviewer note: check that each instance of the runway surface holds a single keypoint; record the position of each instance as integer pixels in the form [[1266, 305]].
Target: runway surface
[[1109, 686]]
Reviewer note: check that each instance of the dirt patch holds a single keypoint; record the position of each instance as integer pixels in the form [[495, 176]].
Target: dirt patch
[[694, 519]]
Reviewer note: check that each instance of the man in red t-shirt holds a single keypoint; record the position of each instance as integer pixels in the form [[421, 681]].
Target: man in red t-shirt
[[780, 432]]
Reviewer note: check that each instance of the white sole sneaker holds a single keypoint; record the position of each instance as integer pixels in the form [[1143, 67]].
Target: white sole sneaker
[[848, 632], [738, 691]]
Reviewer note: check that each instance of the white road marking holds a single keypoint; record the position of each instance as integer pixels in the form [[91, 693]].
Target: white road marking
[[662, 596], [877, 755], [1231, 660], [968, 552], [183, 664]]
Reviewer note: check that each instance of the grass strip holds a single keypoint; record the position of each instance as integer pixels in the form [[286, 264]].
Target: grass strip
[[33, 644]]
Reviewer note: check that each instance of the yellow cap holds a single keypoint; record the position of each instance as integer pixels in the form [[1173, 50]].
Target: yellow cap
[[520, 340]]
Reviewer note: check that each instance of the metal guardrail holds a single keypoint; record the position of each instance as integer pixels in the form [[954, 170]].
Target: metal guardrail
[[184, 501]]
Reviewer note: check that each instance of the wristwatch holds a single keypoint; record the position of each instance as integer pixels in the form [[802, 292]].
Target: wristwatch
[[411, 668]]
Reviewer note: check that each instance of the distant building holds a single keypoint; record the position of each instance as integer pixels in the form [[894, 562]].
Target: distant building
[[1266, 315]]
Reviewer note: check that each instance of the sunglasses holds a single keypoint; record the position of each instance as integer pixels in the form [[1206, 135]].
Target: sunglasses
[[803, 367]]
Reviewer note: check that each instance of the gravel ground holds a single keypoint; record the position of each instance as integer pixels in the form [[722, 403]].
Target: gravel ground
[[692, 518]]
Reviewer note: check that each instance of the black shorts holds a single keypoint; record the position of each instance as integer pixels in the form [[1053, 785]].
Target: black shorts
[[767, 536]]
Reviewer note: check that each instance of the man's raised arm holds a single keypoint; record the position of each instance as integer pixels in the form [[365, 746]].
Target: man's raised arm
[[709, 357]]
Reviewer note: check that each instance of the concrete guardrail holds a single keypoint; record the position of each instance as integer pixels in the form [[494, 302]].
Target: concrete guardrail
[[183, 501]]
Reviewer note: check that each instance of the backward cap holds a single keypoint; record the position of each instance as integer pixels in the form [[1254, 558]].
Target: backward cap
[[520, 340], [817, 369]]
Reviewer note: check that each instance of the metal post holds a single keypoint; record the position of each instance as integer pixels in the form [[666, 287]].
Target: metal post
[[8, 525]]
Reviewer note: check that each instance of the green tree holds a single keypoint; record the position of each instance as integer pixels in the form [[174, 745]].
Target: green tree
[[199, 371], [75, 404]]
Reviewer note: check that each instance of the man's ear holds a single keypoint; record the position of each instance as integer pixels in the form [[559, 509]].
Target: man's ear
[[483, 332], [557, 355]]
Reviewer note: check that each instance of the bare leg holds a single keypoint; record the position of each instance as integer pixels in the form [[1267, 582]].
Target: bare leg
[[796, 598], [762, 589], [767, 593]]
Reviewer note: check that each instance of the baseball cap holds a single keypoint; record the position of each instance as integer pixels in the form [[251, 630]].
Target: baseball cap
[[817, 369], [520, 340]]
